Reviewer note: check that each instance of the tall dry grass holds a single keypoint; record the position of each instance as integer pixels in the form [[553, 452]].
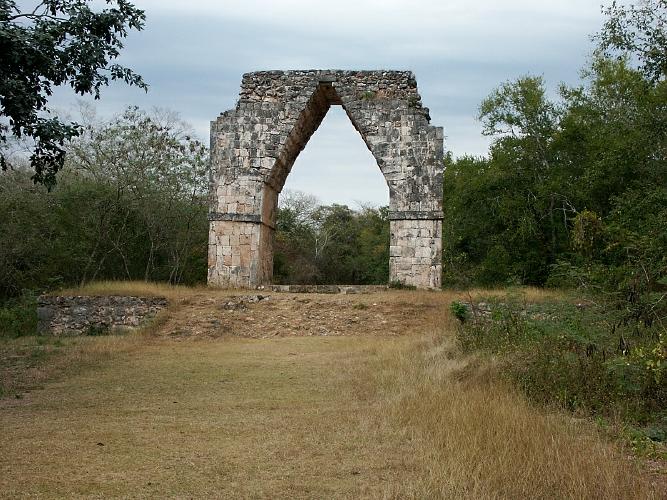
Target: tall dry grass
[[476, 437], [136, 288]]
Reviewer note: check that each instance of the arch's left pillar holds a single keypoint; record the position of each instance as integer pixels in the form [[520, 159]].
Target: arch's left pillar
[[252, 150], [243, 207]]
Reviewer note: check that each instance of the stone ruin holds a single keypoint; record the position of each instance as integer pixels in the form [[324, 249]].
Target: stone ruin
[[254, 146], [95, 315]]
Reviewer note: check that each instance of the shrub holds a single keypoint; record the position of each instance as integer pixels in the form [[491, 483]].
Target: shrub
[[580, 358], [18, 317], [459, 310]]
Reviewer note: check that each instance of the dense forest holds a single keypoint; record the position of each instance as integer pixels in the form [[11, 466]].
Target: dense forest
[[130, 203], [330, 243]]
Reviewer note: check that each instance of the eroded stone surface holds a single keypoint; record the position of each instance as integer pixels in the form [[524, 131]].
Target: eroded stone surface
[[254, 146], [81, 314]]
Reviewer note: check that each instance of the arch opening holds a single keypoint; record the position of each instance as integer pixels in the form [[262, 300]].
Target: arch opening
[[331, 222], [315, 110]]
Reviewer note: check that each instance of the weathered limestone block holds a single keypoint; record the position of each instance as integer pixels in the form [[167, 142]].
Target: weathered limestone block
[[415, 256], [255, 145]]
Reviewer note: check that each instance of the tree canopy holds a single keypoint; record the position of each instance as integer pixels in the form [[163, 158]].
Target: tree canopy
[[130, 203], [640, 30], [54, 43]]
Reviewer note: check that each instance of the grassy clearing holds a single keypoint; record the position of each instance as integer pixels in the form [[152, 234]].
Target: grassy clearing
[[148, 415], [230, 418], [28, 360], [27, 363]]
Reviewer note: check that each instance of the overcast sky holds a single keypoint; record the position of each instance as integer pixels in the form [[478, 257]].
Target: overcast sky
[[193, 53]]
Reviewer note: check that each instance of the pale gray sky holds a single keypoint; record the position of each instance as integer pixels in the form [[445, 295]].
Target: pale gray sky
[[193, 54]]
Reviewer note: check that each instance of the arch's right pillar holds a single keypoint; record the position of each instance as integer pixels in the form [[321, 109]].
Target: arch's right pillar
[[409, 151], [415, 251]]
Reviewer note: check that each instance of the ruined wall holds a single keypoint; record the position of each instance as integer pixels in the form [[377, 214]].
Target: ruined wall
[[82, 314], [254, 146]]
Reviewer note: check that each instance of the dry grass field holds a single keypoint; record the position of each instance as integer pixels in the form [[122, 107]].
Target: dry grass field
[[296, 396]]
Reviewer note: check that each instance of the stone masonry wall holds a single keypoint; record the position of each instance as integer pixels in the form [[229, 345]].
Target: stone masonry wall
[[254, 146], [80, 315], [415, 252]]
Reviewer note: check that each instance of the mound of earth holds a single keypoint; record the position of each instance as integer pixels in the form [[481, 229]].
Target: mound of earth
[[288, 315]]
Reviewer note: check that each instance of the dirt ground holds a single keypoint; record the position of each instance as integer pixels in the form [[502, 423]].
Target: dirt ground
[[293, 315]]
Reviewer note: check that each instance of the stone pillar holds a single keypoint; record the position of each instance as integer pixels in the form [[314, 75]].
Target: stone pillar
[[415, 251], [240, 239]]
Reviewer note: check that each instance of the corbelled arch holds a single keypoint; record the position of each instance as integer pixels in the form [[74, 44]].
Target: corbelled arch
[[255, 145]]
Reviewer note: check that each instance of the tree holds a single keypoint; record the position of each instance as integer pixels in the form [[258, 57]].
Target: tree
[[525, 178], [640, 30], [57, 42], [330, 244], [294, 255], [130, 203], [157, 176]]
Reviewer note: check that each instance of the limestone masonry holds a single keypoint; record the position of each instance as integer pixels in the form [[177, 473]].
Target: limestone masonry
[[254, 146], [86, 314]]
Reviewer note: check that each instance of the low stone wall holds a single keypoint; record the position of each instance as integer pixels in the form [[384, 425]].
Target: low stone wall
[[345, 289], [86, 315]]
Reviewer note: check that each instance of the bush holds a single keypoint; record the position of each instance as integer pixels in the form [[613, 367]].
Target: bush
[[18, 317], [505, 329], [579, 358], [459, 310]]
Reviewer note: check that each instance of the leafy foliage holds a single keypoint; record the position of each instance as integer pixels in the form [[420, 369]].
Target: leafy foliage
[[638, 29], [459, 310], [506, 215], [18, 317], [579, 357], [57, 42], [594, 169], [131, 204], [330, 244], [572, 194]]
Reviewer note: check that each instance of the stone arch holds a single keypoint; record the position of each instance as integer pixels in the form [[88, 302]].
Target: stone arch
[[255, 145]]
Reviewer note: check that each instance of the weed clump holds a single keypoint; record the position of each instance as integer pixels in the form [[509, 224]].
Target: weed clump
[[459, 310]]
